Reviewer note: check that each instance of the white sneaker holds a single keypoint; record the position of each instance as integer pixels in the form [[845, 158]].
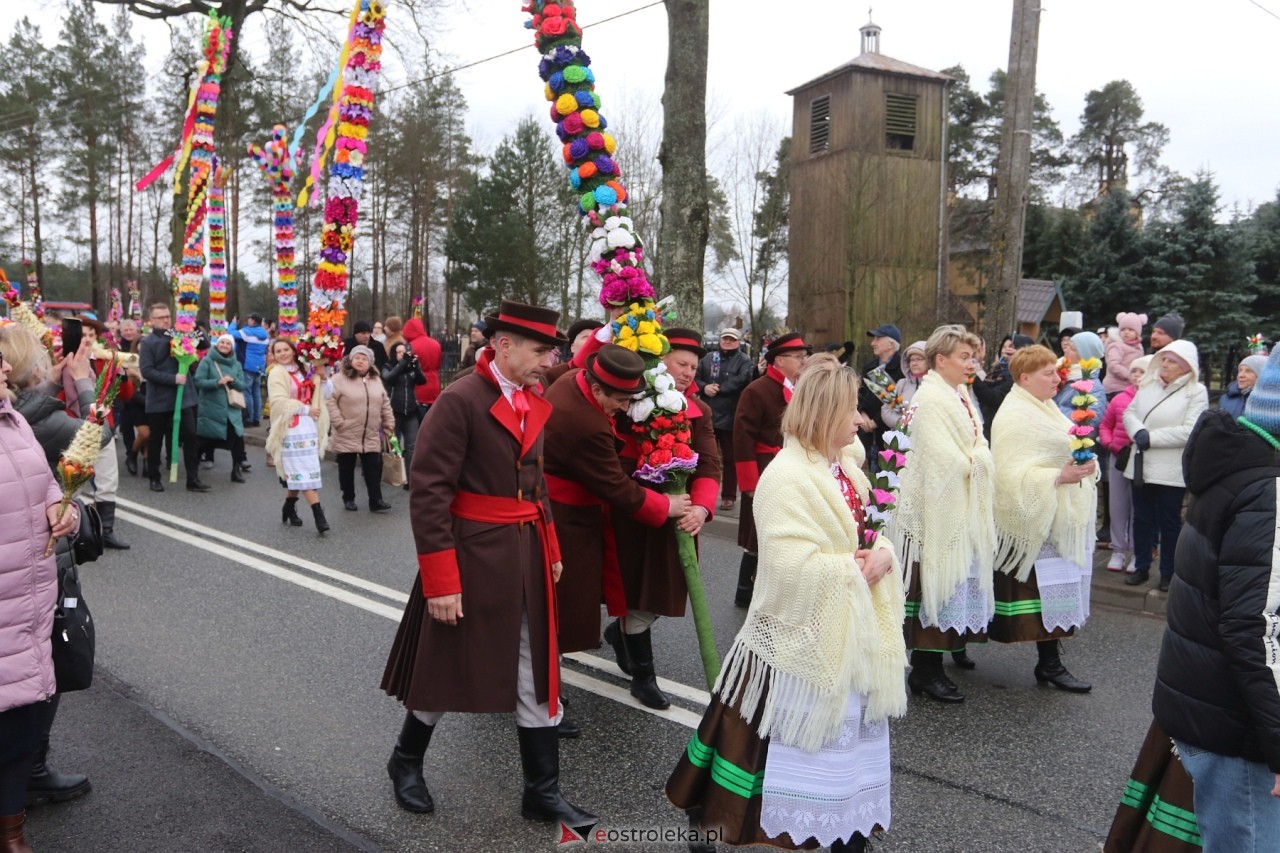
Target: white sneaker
[[1132, 566], [1116, 563]]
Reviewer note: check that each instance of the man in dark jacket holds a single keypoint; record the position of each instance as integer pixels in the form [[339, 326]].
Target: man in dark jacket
[[885, 342], [160, 371], [1217, 690], [721, 378], [362, 335]]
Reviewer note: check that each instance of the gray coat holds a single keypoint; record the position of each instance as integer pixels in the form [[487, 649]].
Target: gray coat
[[160, 370], [733, 371]]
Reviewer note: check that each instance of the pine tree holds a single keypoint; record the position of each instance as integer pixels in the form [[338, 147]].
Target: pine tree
[[1110, 274], [27, 96]]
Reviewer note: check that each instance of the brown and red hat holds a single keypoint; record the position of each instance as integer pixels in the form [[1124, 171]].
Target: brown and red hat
[[685, 339], [532, 322], [789, 342], [616, 368]]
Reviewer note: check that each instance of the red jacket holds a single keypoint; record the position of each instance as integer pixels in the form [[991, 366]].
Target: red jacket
[[429, 354], [1112, 433]]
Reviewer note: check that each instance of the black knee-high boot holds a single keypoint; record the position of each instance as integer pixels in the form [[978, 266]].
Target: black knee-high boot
[[1050, 669], [746, 579], [542, 800], [644, 683], [46, 785], [928, 678], [322, 523], [405, 766]]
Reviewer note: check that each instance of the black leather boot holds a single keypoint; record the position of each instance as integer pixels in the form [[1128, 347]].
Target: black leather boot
[[962, 659], [644, 684], [1051, 671], [613, 635], [405, 766], [928, 678], [289, 514], [695, 826], [12, 839], [746, 579], [322, 523], [236, 476], [568, 727], [46, 785], [542, 800], [131, 463], [107, 512], [856, 844]]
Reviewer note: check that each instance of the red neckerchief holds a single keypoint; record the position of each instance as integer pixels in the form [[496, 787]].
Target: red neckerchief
[[691, 410], [851, 498], [776, 375]]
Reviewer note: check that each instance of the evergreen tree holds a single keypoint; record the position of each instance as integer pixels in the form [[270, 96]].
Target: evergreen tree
[[1052, 242], [1262, 235], [27, 97], [1110, 272]]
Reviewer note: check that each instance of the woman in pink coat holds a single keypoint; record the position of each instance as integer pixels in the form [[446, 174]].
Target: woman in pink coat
[[1114, 438], [29, 500]]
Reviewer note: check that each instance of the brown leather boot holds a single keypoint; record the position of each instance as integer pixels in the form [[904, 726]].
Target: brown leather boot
[[11, 840]]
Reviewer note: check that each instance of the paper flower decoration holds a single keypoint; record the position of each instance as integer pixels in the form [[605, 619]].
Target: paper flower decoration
[[278, 163], [135, 299], [1082, 415], [217, 252]]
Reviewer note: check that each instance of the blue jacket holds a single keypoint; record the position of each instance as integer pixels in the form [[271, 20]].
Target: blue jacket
[[251, 346], [1233, 399]]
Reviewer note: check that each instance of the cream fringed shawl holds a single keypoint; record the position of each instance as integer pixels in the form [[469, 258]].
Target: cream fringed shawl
[[944, 517], [283, 407], [812, 615], [1031, 444]]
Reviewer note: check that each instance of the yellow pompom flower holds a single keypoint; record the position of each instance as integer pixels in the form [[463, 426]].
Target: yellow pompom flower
[[651, 343], [646, 327], [566, 104], [625, 334]]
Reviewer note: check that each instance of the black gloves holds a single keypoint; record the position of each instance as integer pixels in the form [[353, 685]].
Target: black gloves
[[1142, 440]]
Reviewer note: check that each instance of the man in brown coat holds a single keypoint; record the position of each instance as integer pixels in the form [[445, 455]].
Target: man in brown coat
[[479, 632], [649, 557], [589, 487], [757, 438]]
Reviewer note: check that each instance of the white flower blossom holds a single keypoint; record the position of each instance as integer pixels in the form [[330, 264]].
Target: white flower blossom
[[672, 401], [641, 409]]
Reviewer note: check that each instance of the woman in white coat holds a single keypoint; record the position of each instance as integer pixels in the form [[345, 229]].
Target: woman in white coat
[[1159, 420]]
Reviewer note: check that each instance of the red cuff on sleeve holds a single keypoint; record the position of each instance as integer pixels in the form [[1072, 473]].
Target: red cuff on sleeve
[[702, 491], [554, 542], [439, 573], [592, 344], [748, 475], [654, 511]]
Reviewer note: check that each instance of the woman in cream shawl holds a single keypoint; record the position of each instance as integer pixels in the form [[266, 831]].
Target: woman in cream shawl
[[1045, 508], [944, 517], [817, 667]]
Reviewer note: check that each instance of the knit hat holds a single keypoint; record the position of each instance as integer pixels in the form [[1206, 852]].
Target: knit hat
[[361, 326], [1255, 363], [1263, 406], [1143, 364], [226, 338], [1088, 345], [1131, 321], [361, 349], [1023, 341], [1172, 325]]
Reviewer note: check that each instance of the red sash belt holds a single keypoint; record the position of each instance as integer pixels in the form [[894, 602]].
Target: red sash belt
[[495, 509], [767, 449], [571, 493]]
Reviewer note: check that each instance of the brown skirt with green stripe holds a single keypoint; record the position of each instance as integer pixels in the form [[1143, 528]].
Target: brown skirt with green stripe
[[1017, 618], [721, 775], [1157, 809], [931, 638]]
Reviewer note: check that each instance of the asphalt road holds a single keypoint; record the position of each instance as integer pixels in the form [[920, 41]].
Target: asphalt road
[[237, 706]]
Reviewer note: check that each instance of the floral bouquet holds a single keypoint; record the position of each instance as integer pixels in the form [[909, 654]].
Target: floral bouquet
[[416, 305], [1082, 415], [1257, 345], [135, 299], [885, 484], [880, 383]]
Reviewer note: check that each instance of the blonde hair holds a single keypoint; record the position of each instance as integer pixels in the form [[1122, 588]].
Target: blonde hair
[[824, 403], [26, 355], [944, 341]]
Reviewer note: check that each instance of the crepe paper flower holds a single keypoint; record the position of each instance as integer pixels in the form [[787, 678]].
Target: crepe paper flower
[[75, 466], [278, 165], [1082, 416], [21, 313], [416, 304], [352, 112], [34, 295], [1257, 345], [217, 253], [135, 299], [116, 310]]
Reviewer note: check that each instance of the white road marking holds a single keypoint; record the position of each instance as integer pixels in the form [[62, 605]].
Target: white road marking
[[170, 528]]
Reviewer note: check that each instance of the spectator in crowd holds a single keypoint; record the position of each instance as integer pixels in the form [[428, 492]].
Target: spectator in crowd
[[1122, 348], [362, 336], [1081, 347], [395, 333], [1118, 444], [1166, 330], [360, 412], [217, 420], [1216, 690], [914, 369], [885, 343], [1045, 508], [299, 432], [160, 371], [251, 351], [1164, 409], [816, 670], [1234, 399], [579, 333], [129, 335], [477, 343], [104, 486], [380, 333], [29, 503], [429, 354], [401, 377], [991, 390], [722, 376]]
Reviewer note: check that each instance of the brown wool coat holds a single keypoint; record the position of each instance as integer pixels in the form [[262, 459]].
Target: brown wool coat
[[498, 568], [758, 421], [649, 557], [581, 447], [359, 412]]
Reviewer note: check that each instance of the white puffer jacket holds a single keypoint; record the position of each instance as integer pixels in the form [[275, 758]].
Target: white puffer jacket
[[1168, 423]]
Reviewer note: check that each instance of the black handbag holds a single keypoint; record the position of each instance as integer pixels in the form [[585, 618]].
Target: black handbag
[[87, 545], [73, 633], [1122, 457]]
